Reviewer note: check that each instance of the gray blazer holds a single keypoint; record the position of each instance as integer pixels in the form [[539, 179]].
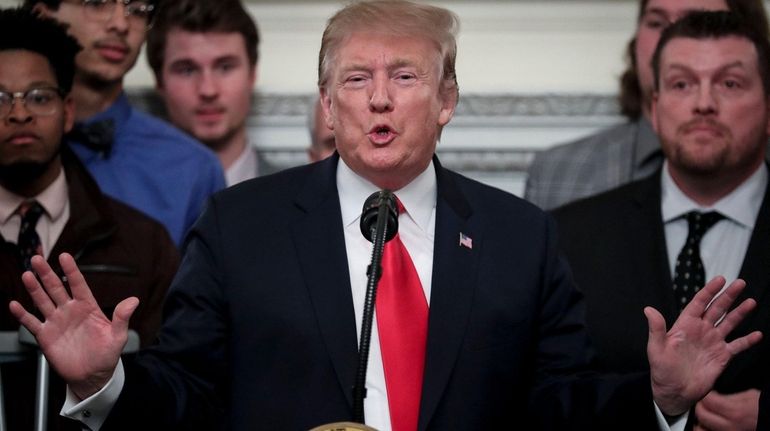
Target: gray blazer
[[593, 164]]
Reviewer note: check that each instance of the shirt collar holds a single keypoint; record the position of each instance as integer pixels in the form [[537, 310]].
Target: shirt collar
[[243, 168], [119, 112], [418, 197], [647, 144], [53, 199], [741, 205]]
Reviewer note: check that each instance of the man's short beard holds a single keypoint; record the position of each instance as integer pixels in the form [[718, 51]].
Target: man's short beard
[[220, 142], [20, 174]]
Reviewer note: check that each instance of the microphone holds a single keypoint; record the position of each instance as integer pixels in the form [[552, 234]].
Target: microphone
[[379, 224], [379, 204]]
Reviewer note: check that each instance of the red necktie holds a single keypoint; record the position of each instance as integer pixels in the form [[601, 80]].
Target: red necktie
[[402, 322]]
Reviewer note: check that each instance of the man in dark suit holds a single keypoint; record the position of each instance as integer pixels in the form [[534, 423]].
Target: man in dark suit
[[638, 245], [261, 321]]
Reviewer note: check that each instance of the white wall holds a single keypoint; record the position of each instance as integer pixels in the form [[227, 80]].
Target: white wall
[[504, 47], [524, 46]]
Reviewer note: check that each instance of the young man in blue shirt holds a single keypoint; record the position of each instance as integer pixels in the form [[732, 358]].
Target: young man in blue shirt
[[134, 157]]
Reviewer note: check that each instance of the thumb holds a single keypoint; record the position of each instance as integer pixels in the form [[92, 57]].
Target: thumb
[[657, 327], [122, 314]]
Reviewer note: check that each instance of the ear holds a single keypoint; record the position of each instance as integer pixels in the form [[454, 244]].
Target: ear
[[767, 106], [448, 97], [253, 76], [69, 113], [326, 106], [654, 111], [43, 9]]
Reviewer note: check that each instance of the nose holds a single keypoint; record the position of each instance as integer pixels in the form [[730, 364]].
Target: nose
[[380, 100], [119, 21], [705, 103], [207, 85], [19, 113]]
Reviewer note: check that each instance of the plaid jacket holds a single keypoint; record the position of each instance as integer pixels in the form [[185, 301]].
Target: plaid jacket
[[593, 164]]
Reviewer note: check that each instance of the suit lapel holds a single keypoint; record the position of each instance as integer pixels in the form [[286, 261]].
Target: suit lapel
[[454, 272], [647, 236], [754, 269], [320, 245]]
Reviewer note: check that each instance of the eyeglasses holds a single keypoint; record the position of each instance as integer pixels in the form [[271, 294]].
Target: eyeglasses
[[104, 10], [38, 101]]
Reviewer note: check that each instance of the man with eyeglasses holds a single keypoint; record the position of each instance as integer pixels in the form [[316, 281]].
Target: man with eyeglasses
[[49, 204], [134, 157]]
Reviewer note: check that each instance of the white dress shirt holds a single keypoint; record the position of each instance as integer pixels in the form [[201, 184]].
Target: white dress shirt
[[243, 168], [724, 246], [416, 229], [54, 200]]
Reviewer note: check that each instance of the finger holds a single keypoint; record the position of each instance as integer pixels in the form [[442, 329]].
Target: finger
[[657, 328], [709, 419], [722, 303], [740, 344], [41, 299], [24, 317], [735, 317], [51, 281], [700, 301], [75, 279], [122, 315]]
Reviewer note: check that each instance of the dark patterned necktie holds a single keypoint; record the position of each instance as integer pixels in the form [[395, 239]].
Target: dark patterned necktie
[[98, 136], [689, 275], [29, 241]]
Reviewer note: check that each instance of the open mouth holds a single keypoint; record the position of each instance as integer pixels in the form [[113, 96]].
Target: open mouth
[[382, 134]]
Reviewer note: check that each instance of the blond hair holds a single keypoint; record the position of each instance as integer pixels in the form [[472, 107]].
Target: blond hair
[[397, 18]]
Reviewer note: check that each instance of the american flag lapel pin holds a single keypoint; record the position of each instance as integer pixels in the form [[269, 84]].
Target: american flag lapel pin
[[466, 241]]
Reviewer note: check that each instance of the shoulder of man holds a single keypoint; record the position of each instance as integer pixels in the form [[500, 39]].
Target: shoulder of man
[[579, 168], [590, 147]]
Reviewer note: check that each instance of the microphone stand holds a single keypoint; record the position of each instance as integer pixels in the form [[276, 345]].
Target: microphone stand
[[379, 235]]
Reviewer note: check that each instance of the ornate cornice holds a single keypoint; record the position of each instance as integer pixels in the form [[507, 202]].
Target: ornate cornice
[[493, 136]]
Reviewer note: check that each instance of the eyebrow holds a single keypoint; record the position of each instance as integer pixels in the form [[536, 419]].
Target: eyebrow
[[734, 64], [33, 85]]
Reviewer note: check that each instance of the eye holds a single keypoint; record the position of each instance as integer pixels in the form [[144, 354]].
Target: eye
[[95, 4], [226, 67], [655, 23], [183, 70], [679, 84], [139, 9], [355, 81], [731, 84], [40, 97]]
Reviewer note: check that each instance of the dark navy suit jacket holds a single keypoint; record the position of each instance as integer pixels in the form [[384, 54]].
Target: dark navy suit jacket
[[615, 243], [260, 332]]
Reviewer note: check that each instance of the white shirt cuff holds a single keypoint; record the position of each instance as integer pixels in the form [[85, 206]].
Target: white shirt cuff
[[677, 424], [93, 411]]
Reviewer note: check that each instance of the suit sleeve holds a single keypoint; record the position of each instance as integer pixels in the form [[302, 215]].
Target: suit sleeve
[[568, 393], [179, 383]]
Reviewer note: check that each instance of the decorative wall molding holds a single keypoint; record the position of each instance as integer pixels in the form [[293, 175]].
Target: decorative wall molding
[[492, 137]]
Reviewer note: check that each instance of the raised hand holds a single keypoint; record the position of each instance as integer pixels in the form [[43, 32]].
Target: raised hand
[[78, 340], [686, 361]]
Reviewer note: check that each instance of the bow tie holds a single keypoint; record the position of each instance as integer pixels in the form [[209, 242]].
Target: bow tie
[[97, 136]]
